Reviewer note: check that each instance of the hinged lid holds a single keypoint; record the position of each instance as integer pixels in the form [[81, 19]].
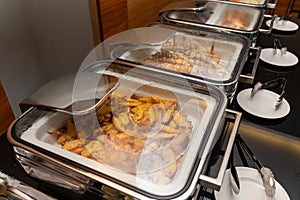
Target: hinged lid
[[79, 97], [211, 56]]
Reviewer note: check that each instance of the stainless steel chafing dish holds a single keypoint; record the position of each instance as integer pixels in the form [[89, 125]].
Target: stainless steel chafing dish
[[141, 174], [216, 15], [196, 54]]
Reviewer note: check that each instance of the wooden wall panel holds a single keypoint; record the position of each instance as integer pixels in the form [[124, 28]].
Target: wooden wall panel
[[143, 12], [110, 17], [114, 18], [95, 21], [282, 8], [295, 10], [6, 114]]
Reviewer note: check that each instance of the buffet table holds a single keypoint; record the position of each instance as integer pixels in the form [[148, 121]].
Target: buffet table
[[280, 137]]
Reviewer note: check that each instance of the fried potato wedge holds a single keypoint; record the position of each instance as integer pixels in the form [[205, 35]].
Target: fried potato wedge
[[131, 127]]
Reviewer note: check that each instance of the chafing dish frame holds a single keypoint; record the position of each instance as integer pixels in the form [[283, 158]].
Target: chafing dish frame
[[229, 86], [32, 156], [80, 180]]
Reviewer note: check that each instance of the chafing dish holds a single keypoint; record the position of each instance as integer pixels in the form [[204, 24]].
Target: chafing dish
[[202, 106], [216, 15], [196, 54]]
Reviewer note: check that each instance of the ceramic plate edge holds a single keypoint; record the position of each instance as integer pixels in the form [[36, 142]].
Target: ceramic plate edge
[[258, 115]]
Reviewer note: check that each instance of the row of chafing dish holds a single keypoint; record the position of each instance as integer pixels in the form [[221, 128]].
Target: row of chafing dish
[[193, 58]]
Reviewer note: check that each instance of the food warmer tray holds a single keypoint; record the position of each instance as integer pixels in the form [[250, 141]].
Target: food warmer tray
[[202, 108], [222, 16], [196, 54]]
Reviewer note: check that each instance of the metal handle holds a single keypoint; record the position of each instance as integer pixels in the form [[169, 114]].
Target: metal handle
[[138, 37], [12, 193], [184, 6], [49, 174], [215, 183], [249, 78], [15, 194], [272, 5], [266, 173], [15, 189], [268, 31]]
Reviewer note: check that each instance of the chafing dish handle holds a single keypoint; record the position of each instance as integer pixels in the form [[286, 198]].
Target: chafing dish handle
[[249, 78], [215, 183], [184, 6], [44, 173], [268, 31], [272, 5]]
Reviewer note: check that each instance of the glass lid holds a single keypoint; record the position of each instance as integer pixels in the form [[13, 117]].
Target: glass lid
[[214, 57]]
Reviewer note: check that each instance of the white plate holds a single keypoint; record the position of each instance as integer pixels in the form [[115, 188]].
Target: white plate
[[289, 59], [251, 187], [262, 104], [283, 25]]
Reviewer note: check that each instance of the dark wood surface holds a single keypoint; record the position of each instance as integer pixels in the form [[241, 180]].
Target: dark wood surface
[[6, 114]]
